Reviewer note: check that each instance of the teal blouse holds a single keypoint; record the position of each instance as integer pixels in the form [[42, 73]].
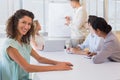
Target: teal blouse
[[10, 69]]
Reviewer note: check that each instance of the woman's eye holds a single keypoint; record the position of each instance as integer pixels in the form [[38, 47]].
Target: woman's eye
[[24, 22]]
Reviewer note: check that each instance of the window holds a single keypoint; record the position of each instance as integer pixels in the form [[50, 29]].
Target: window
[[95, 7], [108, 9], [113, 14]]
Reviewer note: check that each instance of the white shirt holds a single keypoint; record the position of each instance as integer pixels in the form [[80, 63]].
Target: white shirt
[[39, 40], [110, 49], [78, 20], [92, 42]]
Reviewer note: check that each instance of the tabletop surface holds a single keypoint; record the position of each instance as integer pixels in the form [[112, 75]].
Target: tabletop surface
[[83, 69]]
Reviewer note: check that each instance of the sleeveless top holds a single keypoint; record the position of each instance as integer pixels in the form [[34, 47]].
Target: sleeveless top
[[10, 69]]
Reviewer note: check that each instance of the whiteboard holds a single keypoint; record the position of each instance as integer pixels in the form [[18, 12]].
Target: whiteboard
[[57, 13]]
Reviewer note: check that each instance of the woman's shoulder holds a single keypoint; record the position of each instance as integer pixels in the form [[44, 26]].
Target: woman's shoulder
[[9, 40], [111, 37]]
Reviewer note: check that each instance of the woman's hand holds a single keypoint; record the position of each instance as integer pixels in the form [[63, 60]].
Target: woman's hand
[[78, 51], [63, 66], [66, 63], [74, 50], [67, 20], [91, 54]]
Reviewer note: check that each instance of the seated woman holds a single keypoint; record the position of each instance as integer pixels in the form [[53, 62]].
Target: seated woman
[[37, 40], [111, 47], [16, 50], [92, 42]]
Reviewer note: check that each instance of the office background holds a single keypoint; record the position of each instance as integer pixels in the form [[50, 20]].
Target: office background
[[51, 13]]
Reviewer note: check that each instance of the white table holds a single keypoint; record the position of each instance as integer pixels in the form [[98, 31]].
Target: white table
[[83, 69]]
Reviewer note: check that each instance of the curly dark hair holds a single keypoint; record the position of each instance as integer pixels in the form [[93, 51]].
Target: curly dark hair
[[12, 23]]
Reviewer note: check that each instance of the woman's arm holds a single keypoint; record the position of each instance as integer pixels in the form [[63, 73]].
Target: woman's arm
[[15, 56], [42, 59], [46, 60], [78, 50], [105, 52]]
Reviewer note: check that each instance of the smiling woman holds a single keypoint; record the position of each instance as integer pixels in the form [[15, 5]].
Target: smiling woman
[[24, 20], [16, 51], [25, 24]]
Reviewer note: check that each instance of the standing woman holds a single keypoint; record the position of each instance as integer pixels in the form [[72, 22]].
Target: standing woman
[[111, 48], [16, 51]]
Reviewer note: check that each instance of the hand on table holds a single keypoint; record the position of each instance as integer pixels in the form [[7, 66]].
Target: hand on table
[[63, 66]]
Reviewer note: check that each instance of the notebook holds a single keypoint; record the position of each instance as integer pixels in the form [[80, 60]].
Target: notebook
[[54, 45]]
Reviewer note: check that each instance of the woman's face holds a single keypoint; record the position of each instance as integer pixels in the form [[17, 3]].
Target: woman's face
[[98, 33], [93, 31], [90, 28], [73, 4], [24, 25]]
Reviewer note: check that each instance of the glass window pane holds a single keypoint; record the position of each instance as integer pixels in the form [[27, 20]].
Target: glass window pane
[[95, 7], [100, 8], [113, 14]]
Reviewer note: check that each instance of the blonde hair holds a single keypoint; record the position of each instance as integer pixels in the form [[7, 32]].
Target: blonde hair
[[35, 24]]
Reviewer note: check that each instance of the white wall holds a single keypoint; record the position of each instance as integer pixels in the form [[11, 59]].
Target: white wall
[[41, 10], [95, 7], [114, 14], [3, 11], [7, 9]]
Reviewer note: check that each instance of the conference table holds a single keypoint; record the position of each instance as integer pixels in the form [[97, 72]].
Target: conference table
[[83, 69]]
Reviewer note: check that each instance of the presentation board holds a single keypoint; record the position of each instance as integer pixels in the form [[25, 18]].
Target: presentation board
[[57, 14]]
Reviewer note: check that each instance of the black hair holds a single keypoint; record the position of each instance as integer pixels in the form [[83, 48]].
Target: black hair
[[102, 25], [92, 19], [75, 0]]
